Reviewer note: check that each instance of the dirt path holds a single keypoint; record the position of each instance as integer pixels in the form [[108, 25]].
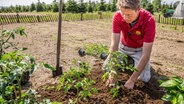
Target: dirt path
[[167, 55]]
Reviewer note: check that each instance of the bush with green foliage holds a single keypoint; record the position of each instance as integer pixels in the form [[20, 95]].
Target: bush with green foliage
[[175, 90]]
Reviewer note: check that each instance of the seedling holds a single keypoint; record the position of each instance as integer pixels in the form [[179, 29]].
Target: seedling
[[116, 61], [115, 91], [83, 88], [6, 36], [96, 50], [75, 78]]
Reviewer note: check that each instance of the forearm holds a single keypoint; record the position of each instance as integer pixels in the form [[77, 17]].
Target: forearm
[[140, 67], [147, 47], [115, 38]]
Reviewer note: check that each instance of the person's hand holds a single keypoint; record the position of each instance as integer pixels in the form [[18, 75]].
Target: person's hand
[[129, 84], [110, 80]]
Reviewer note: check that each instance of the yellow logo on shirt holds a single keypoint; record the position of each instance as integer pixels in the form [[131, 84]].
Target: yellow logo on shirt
[[138, 32]]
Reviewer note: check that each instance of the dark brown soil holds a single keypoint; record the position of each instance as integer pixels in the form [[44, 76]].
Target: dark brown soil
[[143, 93]]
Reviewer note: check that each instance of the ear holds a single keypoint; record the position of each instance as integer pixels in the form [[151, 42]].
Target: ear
[[138, 9]]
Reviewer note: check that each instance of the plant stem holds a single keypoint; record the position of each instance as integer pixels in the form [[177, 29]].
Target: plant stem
[[19, 85]]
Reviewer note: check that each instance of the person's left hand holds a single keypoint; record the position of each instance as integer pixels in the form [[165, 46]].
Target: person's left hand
[[129, 84]]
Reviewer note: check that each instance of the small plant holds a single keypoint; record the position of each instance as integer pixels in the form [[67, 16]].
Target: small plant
[[115, 62], [83, 88], [12, 67], [115, 91], [75, 79], [174, 27], [6, 36], [175, 88], [95, 49], [73, 75]]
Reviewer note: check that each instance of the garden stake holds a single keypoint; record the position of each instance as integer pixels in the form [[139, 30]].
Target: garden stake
[[58, 67]]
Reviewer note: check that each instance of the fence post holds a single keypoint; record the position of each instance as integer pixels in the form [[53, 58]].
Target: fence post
[[1, 20], [38, 18], [159, 18], [81, 16], [18, 21]]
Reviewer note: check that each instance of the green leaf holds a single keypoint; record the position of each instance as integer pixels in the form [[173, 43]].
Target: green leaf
[[94, 90], [177, 79], [48, 66], [169, 83], [181, 87], [24, 48], [79, 84], [33, 68], [174, 100], [67, 87], [12, 35], [180, 99], [105, 76], [167, 97]]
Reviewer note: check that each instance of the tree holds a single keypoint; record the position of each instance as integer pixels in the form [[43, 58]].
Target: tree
[[113, 6], [90, 7], [48, 7], [157, 5], [164, 8], [102, 6], [108, 7], [33, 7], [44, 6], [39, 7], [149, 7], [72, 6], [18, 8], [82, 7], [64, 7], [11, 9], [144, 3], [55, 7]]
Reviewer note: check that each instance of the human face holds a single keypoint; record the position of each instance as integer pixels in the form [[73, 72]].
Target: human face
[[129, 15]]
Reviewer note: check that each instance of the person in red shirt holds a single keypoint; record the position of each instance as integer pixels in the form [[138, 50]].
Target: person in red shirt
[[133, 33]]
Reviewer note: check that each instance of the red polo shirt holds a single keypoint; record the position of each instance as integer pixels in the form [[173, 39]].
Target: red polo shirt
[[142, 31]]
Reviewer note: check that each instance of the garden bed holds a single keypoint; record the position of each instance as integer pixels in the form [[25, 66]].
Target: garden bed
[[141, 94]]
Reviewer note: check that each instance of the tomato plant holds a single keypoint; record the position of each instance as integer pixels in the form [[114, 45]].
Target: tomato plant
[[114, 63]]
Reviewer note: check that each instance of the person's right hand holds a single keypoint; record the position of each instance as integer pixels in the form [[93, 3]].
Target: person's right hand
[[110, 80]]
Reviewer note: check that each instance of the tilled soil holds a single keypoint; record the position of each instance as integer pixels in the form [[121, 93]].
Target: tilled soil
[[143, 93]]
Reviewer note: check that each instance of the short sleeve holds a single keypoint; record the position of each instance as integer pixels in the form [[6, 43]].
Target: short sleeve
[[149, 30], [116, 23]]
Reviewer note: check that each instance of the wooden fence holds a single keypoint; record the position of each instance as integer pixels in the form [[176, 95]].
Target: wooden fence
[[172, 21], [20, 18]]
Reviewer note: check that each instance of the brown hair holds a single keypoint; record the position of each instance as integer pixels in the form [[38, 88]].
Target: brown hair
[[129, 4]]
